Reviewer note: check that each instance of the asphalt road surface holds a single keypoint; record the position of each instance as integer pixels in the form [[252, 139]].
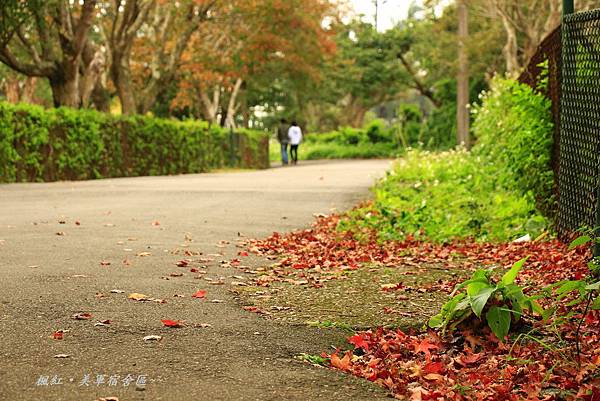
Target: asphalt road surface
[[65, 246]]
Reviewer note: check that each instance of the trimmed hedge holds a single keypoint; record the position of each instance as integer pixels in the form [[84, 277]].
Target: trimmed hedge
[[67, 144]]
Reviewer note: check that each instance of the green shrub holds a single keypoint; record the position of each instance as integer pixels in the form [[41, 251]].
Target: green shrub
[[514, 130], [68, 144], [443, 196], [410, 121], [498, 192], [372, 142]]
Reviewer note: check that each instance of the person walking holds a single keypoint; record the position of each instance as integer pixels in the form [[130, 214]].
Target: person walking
[[295, 137], [282, 137]]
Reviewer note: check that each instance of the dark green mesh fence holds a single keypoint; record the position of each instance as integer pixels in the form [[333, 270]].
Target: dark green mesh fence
[[579, 169]]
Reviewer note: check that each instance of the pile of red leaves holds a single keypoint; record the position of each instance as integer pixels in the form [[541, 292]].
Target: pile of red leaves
[[462, 366], [313, 254], [468, 367]]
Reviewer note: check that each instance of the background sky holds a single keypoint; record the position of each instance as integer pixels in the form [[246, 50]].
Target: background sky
[[389, 13]]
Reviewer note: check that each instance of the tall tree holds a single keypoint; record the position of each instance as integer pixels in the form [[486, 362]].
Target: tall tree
[[247, 47], [526, 23], [146, 40], [52, 44]]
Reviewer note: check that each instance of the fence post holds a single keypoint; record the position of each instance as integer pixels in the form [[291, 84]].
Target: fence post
[[568, 7]]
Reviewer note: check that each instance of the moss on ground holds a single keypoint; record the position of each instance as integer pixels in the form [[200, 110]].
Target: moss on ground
[[356, 299]]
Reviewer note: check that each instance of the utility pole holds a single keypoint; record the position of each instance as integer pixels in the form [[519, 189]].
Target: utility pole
[[568, 7], [376, 14], [462, 79]]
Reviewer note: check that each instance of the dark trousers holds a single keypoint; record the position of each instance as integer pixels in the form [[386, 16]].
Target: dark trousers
[[294, 153]]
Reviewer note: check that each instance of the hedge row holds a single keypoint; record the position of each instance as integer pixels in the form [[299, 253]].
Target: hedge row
[[67, 144]]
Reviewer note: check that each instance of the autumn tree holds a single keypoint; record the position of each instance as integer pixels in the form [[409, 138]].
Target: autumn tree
[[249, 46], [146, 41], [53, 42]]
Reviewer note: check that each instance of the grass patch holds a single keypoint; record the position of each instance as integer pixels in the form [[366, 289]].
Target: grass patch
[[319, 151], [330, 306]]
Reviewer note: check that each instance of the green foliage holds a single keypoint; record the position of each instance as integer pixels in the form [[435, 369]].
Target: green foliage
[[497, 192], [497, 302], [444, 196], [514, 131], [313, 359], [67, 144], [375, 141], [579, 291]]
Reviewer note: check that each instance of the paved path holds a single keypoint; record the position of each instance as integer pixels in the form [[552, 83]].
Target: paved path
[[45, 278]]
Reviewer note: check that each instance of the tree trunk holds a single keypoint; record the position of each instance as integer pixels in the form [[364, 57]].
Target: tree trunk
[[462, 100], [232, 105], [121, 74], [211, 107], [65, 85], [511, 48]]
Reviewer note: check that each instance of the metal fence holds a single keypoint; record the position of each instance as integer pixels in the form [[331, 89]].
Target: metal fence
[[572, 54], [579, 171]]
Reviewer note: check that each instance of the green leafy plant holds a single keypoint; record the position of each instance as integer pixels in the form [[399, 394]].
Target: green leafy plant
[[583, 291], [498, 303]]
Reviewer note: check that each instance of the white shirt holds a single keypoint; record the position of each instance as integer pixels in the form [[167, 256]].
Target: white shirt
[[295, 135]]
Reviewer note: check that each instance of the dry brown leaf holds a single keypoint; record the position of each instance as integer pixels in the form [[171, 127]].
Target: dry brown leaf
[[137, 296]]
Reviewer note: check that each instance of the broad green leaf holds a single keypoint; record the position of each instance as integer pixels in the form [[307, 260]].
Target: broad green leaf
[[534, 306], [580, 241], [479, 300], [499, 321], [514, 292], [480, 276], [593, 286], [569, 286], [476, 287], [510, 276], [436, 322], [596, 304]]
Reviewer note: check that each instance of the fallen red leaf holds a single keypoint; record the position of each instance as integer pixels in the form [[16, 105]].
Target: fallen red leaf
[[359, 342], [434, 367], [172, 323], [58, 335], [343, 363], [81, 316], [199, 294]]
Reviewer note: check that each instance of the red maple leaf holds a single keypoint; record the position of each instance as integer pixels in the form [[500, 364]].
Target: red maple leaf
[[424, 346], [341, 363], [359, 342], [434, 367], [199, 294]]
